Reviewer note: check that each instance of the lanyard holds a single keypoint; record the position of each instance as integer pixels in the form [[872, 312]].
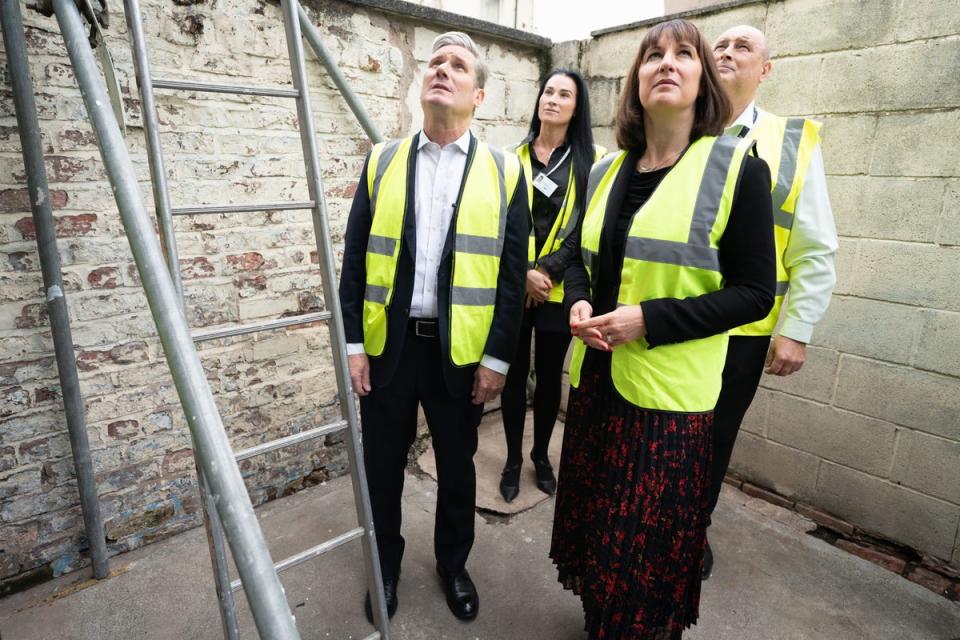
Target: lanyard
[[546, 174]]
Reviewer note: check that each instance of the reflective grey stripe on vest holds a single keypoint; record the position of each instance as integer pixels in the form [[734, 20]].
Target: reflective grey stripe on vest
[[577, 212], [375, 293], [782, 288], [696, 252], [499, 160], [473, 296], [386, 156], [381, 244], [588, 258], [711, 191], [599, 170], [480, 245], [782, 219], [669, 252], [788, 162]]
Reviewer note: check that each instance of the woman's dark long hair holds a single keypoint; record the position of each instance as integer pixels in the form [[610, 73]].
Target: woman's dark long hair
[[712, 108], [579, 134]]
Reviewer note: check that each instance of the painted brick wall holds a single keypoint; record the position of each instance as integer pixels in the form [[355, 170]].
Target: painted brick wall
[[236, 268], [870, 428]]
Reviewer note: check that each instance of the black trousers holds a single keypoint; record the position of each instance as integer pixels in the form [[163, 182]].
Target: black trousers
[[389, 424], [549, 352], [741, 377]]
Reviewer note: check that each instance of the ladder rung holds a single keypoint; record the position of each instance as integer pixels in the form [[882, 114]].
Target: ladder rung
[[254, 327], [291, 440], [241, 208], [212, 87], [310, 553]]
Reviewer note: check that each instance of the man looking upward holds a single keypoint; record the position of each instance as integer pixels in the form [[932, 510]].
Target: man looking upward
[[806, 241], [432, 290]]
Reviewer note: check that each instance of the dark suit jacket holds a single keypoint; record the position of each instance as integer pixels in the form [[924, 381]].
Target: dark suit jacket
[[511, 283]]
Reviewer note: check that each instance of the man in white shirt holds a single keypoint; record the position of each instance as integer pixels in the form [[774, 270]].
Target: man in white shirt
[[432, 293], [806, 241]]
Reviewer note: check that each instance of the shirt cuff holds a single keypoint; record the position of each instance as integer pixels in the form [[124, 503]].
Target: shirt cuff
[[495, 364], [797, 330], [354, 348]]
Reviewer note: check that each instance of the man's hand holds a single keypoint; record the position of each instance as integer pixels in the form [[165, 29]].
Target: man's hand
[[359, 373], [785, 356], [487, 384], [623, 324], [539, 285]]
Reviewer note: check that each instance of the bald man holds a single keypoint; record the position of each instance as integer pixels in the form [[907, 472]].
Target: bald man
[[805, 236]]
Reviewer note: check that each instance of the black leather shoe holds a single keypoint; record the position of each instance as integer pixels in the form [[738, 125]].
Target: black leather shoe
[[510, 481], [390, 592], [461, 593], [707, 569], [546, 481]]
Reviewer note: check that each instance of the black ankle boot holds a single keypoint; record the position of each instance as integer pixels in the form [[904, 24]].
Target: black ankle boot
[[510, 481]]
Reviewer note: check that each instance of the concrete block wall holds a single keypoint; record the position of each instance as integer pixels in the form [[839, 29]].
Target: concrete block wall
[[236, 268], [870, 428]]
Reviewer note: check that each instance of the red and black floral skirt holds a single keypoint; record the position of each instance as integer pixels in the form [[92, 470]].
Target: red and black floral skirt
[[631, 513]]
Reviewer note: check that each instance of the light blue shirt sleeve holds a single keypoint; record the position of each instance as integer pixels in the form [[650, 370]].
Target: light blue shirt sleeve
[[809, 256]]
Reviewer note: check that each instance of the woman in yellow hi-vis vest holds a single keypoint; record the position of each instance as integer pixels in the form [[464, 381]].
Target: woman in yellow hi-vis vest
[[556, 158], [676, 248]]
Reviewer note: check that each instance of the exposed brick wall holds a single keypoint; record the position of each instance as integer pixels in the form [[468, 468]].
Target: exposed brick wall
[[236, 268], [870, 428]]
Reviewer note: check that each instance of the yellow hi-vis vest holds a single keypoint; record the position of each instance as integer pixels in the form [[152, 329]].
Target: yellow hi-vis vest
[[565, 222], [671, 251], [480, 219], [786, 145]]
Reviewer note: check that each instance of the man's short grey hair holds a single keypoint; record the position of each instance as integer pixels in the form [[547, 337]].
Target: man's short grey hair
[[460, 39]]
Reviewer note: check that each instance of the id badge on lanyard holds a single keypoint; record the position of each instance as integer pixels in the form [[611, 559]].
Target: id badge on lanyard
[[543, 183]]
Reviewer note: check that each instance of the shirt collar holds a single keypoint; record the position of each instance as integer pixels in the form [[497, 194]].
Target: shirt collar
[[462, 143], [746, 118]]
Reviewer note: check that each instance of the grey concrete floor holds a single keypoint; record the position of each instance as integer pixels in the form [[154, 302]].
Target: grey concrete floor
[[772, 581]]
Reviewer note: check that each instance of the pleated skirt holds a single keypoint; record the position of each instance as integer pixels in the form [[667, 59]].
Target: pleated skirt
[[631, 513]]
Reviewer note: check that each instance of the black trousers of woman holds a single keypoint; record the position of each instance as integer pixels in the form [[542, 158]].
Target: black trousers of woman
[[550, 350]]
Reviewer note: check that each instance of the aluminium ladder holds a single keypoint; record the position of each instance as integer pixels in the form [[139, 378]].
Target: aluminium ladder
[[165, 211]]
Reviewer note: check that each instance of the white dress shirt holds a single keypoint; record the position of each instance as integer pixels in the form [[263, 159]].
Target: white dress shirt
[[439, 176], [809, 254]]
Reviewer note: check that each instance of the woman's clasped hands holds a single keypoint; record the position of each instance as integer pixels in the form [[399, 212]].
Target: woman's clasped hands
[[608, 330], [539, 286]]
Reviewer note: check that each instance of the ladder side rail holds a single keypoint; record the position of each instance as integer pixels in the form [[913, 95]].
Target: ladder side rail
[[151, 126], [312, 36], [268, 604], [217, 545], [338, 343], [30, 142], [216, 542]]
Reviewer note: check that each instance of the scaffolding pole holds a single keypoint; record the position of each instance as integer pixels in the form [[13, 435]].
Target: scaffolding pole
[[312, 37], [30, 142], [265, 595]]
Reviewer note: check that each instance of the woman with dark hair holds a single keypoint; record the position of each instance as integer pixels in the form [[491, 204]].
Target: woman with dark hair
[[556, 157], [676, 248]]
